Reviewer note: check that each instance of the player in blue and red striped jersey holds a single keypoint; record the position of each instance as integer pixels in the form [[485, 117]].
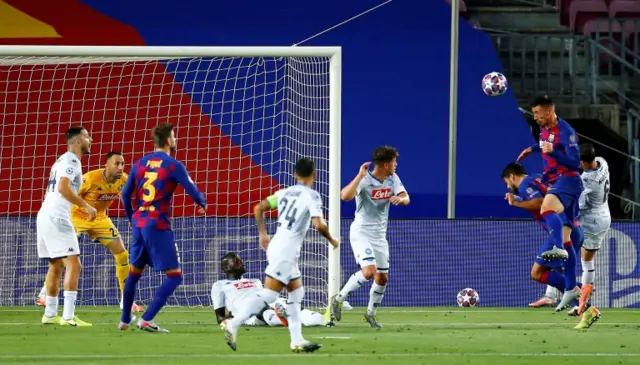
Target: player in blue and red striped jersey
[[152, 181], [558, 144]]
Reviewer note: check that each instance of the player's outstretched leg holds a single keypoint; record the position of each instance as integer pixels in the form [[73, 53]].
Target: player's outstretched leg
[[354, 283], [251, 305], [588, 276], [171, 282], [375, 298]]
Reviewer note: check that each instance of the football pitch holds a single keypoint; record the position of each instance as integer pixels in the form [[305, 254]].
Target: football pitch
[[410, 336]]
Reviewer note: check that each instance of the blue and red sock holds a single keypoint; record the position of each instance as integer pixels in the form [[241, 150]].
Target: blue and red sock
[[553, 278], [171, 282], [128, 295], [554, 222], [569, 267]]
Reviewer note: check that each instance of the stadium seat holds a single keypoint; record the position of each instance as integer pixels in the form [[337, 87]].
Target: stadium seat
[[582, 11], [624, 9], [605, 31], [563, 7]]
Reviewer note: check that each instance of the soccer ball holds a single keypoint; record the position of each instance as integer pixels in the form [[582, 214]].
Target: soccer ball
[[468, 297], [494, 84]]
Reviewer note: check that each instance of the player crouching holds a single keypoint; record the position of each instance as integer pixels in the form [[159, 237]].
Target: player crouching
[[228, 293]]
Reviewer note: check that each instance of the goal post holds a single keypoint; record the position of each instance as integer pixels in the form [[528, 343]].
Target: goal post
[[243, 115]]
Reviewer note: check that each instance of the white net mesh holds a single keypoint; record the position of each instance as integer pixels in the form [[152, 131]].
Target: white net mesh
[[241, 124]]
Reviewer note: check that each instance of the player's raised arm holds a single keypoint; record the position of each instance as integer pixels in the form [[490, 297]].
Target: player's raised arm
[[127, 192], [350, 191], [400, 194], [189, 186]]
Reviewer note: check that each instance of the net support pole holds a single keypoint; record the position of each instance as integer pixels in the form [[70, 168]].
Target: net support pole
[[335, 106], [453, 110]]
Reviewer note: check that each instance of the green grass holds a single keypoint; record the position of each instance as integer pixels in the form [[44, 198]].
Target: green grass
[[411, 336]]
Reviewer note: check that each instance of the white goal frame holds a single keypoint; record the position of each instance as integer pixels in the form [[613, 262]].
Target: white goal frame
[[159, 52]]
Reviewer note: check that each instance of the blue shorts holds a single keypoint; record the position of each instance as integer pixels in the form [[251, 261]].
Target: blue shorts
[[568, 190], [153, 247]]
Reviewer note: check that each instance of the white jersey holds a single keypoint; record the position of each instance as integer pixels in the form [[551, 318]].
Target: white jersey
[[372, 204], [296, 206], [594, 200], [231, 293], [68, 165]]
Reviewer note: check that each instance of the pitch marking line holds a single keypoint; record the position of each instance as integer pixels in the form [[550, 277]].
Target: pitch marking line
[[236, 355], [332, 337], [354, 324], [387, 310]]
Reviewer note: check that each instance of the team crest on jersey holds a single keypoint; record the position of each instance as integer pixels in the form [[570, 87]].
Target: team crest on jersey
[[381, 194], [120, 187], [69, 170], [572, 138], [244, 285], [551, 137], [529, 191]]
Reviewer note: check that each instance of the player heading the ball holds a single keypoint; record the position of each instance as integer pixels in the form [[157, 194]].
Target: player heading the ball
[[152, 181], [297, 206], [374, 192], [57, 240]]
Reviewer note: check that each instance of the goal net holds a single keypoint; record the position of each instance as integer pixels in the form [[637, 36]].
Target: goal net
[[243, 117]]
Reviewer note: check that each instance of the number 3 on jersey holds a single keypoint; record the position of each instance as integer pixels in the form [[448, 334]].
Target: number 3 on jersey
[[150, 192], [288, 214]]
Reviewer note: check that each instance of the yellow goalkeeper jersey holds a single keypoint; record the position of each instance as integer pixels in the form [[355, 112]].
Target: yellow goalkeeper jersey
[[98, 193]]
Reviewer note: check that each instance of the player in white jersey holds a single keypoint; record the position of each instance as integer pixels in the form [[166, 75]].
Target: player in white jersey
[[57, 239], [227, 294], [595, 217], [298, 206], [374, 192]]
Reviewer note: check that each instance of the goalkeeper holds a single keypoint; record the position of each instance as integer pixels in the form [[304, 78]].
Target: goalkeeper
[[228, 293], [100, 188]]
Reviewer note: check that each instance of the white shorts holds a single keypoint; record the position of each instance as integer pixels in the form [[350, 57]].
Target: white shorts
[[368, 251], [283, 271], [593, 241], [56, 237]]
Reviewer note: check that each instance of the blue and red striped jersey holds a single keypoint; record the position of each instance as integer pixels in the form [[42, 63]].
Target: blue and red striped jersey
[[152, 181], [564, 160], [530, 188]]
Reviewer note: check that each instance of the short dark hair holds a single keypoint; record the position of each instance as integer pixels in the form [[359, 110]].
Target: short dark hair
[[587, 153], [384, 154], [542, 100], [111, 154], [72, 133], [513, 168], [305, 167], [161, 134]]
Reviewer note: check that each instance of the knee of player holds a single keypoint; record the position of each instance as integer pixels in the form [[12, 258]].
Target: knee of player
[[369, 271], [536, 273], [381, 278]]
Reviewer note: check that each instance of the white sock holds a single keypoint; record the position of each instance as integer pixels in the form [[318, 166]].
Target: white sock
[[253, 321], [354, 283], [310, 318], [375, 298], [69, 310], [251, 306], [293, 311], [588, 272], [552, 293], [51, 310], [43, 292], [270, 317]]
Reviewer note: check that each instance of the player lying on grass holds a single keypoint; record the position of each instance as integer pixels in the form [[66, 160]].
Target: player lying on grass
[[152, 181], [57, 240], [374, 192], [227, 294], [528, 193], [100, 188], [558, 144]]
